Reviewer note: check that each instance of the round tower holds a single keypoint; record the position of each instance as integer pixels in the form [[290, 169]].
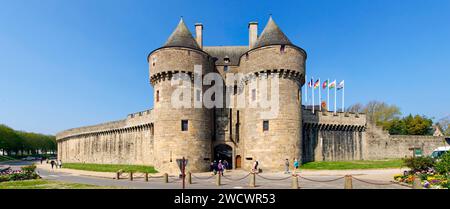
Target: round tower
[[272, 138], [179, 131]]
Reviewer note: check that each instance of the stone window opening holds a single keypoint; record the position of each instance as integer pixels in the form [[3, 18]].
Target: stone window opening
[[157, 96], [246, 56], [226, 59], [282, 49], [225, 68], [184, 125], [265, 125], [253, 94], [153, 61], [235, 89]]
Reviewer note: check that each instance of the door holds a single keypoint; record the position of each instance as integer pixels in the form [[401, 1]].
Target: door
[[238, 161]]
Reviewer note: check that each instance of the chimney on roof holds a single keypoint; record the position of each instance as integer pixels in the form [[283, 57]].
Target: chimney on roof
[[252, 33], [199, 34]]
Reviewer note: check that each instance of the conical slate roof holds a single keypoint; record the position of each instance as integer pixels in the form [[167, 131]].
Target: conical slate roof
[[181, 37], [272, 35]]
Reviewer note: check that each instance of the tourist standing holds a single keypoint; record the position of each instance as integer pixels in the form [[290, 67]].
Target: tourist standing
[[286, 166], [60, 164], [296, 165], [215, 167], [255, 166], [225, 165]]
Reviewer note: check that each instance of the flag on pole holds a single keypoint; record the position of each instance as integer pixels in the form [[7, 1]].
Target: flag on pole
[[325, 84], [332, 85], [310, 83], [316, 84], [341, 85]]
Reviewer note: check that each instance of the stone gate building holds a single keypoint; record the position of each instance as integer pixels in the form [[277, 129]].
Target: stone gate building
[[239, 135]]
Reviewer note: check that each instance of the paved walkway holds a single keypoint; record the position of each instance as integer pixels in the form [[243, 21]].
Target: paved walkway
[[235, 179]]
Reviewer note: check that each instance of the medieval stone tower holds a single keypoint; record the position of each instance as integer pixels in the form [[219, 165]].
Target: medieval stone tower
[[205, 134]]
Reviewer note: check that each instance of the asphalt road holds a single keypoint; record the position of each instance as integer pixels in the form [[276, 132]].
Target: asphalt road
[[205, 181]]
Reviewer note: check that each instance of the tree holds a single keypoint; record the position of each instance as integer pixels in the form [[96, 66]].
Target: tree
[[9, 140], [357, 108], [380, 112], [444, 125]]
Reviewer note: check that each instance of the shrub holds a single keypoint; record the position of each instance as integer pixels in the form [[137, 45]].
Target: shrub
[[443, 165], [29, 169], [418, 164]]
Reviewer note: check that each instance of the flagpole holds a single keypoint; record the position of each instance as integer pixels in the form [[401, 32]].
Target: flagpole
[[328, 95], [335, 99], [312, 91], [306, 90], [320, 97], [343, 97]]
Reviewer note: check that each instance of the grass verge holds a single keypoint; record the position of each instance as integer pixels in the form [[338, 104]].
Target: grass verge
[[356, 164], [6, 158], [110, 167], [46, 184]]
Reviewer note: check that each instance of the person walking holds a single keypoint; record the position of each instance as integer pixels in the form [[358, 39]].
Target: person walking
[[215, 167], [296, 165], [286, 166], [255, 166], [220, 167], [225, 165], [52, 163], [60, 163]]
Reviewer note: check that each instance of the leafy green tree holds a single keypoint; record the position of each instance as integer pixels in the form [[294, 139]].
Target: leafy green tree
[[443, 165]]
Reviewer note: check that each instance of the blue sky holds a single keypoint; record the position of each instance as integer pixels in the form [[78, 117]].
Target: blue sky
[[65, 64]]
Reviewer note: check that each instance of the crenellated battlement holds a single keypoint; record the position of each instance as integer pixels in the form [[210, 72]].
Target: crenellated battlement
[[136, 120], [331, 120]]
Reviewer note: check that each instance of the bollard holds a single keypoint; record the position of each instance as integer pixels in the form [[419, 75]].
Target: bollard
[[146, 176], [166, 178], [218, 176], [252, 180], [348, 182], [189, 177], [131, 175], [118, 175], [294, 182], [417, 184]]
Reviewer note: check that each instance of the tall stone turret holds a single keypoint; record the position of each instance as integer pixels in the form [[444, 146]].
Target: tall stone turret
[[186, 131], [271, 140]]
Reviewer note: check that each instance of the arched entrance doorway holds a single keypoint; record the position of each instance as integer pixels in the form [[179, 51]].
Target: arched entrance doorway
[[224, 152]]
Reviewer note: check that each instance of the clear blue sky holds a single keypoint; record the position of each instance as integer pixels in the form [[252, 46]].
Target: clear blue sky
[[65, 64]]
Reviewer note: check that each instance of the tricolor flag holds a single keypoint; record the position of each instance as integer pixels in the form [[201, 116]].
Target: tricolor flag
[[310, 83], [316, 84], [325, 84], [341, 85], [332, 84]]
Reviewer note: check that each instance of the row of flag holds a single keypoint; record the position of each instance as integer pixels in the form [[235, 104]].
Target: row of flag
[[325, 85]]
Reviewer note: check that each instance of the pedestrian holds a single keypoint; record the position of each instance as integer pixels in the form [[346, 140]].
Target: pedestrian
[[211, 167], [225, 165], [215, 167], [52, 163], [286, 166], [60, 164], [42, 159], [296, 165], [255, 166], [220, 167]]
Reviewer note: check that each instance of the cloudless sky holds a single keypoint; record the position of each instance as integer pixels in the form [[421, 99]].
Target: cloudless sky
[[71, 63]]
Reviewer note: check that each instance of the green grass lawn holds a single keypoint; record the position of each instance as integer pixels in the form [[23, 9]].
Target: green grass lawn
[[357, 164], [110, 167], [5, 158], [45, 184]]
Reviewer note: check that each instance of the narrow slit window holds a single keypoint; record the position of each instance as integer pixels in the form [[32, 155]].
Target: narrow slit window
[[157, 96], [184, 125], [266, 125], [253, 94]]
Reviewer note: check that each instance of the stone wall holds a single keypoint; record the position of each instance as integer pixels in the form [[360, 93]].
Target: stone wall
[[332, 137], [381, 145], [128, 141]]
